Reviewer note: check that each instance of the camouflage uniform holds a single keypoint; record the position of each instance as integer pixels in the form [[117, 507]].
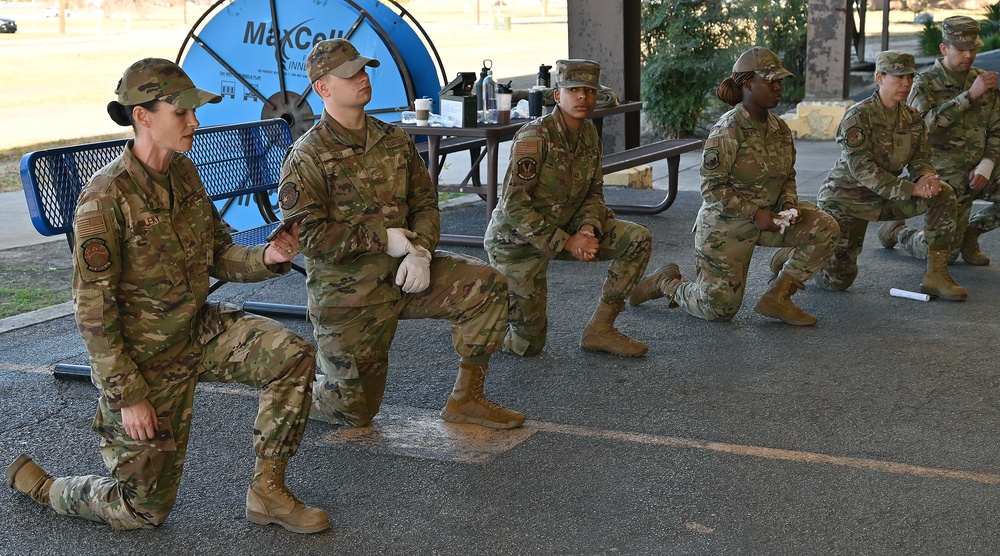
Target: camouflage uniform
[[355, 193], [865, 184], [143, 255], [962, 132], [748, 165], [551, 189]]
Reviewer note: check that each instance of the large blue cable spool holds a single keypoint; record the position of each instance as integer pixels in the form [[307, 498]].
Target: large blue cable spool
[[253, 53]]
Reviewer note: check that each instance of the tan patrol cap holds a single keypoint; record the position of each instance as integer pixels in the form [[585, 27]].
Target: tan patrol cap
[[578, 73], [962, 32], [158, 79], [763, 62], [337, 57], [894, 62]]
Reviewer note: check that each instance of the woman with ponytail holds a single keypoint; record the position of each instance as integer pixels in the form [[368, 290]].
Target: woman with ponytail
[[748, 187], [147, 240]]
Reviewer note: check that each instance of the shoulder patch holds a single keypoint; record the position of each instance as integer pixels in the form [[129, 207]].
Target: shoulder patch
[[288, 195], [710, 159], [527, 168], [526, 147], [854, 136], [712, 141], [396, 142], [91, 226], [96, 255]]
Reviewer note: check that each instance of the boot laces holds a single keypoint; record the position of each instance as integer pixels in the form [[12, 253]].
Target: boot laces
[[276, 482]]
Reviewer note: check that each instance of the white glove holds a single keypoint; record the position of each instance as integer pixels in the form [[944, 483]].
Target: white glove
[[784, 219], [399, 241], [414, 274]]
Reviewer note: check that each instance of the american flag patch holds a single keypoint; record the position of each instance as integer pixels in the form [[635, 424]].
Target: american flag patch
[[91, 226], [526, 147]]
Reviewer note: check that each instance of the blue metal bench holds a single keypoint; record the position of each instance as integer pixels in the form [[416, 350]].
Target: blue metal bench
[[236, 162]]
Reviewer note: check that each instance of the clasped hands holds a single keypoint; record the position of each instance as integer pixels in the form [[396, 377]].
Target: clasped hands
[[927, 186], [583, 244], [414, 274]]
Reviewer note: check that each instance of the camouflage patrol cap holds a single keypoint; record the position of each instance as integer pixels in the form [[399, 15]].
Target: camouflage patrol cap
[[894, 62], [763, 62], [158, 79], [578, 73], [336, 56], [962, 32]]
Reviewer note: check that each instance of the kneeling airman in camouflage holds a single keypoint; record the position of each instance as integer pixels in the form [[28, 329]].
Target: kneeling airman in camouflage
[[881, 137], [147, 240], [553, 208]]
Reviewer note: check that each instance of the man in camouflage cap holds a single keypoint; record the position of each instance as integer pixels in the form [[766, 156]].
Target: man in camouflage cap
[[337, 57], [882, 137], [553, 208], [369, 244], [961, 107], [147, 241]]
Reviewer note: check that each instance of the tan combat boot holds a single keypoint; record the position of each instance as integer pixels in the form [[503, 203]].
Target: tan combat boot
[[468, 404], [970, 248], [24, 475], [937, 282], [270, 501], [888, 232], [777, 302], [600, 335], [779, 259], [652, 286]]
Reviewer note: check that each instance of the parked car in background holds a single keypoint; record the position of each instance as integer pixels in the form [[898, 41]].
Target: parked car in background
[[7, 25]]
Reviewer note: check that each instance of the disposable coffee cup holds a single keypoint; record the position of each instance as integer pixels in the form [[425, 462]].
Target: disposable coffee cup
[[535, 102], [423, 108], [503, 108]]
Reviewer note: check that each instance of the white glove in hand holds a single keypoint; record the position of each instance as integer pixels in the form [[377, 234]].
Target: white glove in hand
[[414, 274], [399, 241]]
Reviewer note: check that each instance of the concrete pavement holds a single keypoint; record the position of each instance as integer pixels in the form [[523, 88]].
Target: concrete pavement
[[873, 432]]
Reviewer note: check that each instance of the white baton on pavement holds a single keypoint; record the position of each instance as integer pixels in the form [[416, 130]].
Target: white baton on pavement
[[909, 295]]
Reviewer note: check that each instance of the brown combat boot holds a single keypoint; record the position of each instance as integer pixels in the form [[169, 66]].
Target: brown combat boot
[[652, 286], [270, 501], [777, 302], [600, 335], [888, 232], [937, 282], [24, 475], [469, 404], [970, 248], [779, 258]]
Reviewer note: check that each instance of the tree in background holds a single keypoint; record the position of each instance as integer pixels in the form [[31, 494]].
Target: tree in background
[[690, 46]]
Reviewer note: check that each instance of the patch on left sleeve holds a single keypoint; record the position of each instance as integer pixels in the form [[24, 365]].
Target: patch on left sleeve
[[288, 195], [854, 136], [710, 160], [96, 255], [527, 168]]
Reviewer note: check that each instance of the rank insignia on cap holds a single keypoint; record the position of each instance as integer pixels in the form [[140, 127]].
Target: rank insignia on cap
[[854, 137], [710, 159], [96, 255], [288, 195], [526, 168]]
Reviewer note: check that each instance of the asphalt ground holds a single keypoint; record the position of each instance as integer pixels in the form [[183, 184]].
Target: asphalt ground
[[872, 432]]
